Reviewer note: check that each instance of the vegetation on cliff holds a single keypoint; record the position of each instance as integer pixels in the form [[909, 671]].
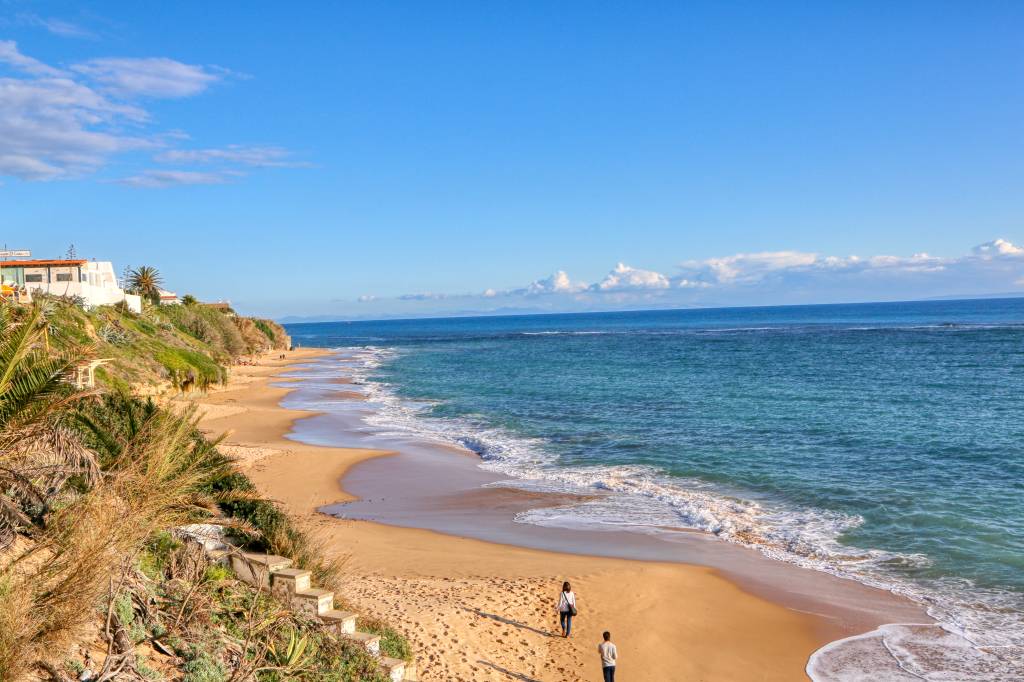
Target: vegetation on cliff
[[182, 346], [93, 484]]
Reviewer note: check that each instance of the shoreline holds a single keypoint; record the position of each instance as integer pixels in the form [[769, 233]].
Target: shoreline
[[450, 592]]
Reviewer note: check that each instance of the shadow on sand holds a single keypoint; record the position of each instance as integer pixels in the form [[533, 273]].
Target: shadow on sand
[[513, 675], [509, 621]]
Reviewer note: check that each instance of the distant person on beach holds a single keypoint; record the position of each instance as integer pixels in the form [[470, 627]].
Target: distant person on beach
[[566, 608], [609, 657]]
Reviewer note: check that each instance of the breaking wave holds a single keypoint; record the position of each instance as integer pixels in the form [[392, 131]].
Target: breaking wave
[[979, 635]]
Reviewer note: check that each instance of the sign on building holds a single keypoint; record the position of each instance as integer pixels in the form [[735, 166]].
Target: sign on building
[[15, 254]]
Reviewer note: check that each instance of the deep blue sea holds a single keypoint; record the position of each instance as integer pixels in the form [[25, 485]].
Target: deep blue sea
[[883, 442]]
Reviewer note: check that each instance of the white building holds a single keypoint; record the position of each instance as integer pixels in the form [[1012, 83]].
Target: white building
[[93, 281], [169, 298]]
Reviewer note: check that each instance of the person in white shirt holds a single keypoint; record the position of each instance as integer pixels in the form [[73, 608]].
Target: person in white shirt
[[609, 657], [566, 608]]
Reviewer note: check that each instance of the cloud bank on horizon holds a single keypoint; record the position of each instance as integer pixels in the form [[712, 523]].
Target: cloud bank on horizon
[[71, 121], [773, 277]]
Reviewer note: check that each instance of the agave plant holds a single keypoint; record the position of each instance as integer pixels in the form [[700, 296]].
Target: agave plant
[[292, 656], [38, 452], [113, 334]]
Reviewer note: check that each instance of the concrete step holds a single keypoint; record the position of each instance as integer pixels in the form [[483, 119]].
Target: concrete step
[[255, 568], [366, 640], [209, 535], [339, 622], [285, 582], [394, 668], [313, 602]]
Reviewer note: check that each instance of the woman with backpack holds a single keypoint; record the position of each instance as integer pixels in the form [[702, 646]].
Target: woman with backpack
[[566, 608]]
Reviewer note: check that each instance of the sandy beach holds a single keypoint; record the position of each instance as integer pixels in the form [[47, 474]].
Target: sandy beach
[[477, 610]]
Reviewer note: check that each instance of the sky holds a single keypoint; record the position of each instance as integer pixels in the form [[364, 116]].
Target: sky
[[360, 160]]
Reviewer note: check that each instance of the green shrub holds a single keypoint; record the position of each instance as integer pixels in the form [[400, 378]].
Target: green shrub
[[267, 330], [210, 326], [203, 668], [153, 558], [392, 643], [185, 367], [215, 573]]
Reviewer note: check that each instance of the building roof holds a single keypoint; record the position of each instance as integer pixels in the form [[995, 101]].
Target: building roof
[[41, 263]]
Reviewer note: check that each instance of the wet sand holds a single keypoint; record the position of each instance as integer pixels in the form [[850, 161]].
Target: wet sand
[[483, 609]]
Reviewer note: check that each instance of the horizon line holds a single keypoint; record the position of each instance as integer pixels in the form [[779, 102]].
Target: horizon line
[[937, 299]]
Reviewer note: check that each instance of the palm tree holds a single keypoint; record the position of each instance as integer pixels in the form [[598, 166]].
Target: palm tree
[[47, 311], [189, 299], [146, 281], [38, 453]]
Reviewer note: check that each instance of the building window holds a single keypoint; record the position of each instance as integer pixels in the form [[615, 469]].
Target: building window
[[33, 278], [63, 276]]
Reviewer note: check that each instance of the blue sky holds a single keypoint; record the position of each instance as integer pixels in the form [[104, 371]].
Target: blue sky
[[369, 159]]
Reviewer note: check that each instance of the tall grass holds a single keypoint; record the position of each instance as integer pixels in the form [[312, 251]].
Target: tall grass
[[210, 326], [154, 482], [88, 485]]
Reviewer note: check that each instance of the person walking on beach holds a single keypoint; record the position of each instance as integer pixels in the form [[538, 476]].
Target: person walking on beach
[[566, 608], [609, 657]]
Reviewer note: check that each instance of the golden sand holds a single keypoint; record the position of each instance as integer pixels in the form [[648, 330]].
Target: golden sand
[[475, 610]]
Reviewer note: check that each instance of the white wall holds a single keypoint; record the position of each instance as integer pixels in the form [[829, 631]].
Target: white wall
[[98, 285]]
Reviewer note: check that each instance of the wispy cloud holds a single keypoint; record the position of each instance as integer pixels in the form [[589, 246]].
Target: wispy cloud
[[255, 156], [58, 27], [425, 296], [149, 77], [172, 178], [60, 123], [53, 127], [10, 55]]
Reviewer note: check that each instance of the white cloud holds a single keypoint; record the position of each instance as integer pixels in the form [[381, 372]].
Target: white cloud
[[58, 27], [625, 277], [149, 76], [10, 55], [27, 167], [760, 269], [171, 178], [65, 123], [774, 277], [556, 283], [426, 296], [256, 156], [66, 29], [996, 248], [745, 266], [367, 298], [53, 127]]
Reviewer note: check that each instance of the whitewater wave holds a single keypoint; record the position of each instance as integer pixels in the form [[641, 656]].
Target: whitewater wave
[[909, 652], [988, 625]]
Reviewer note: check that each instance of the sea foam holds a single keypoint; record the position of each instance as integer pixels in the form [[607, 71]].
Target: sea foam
[[980, 635]]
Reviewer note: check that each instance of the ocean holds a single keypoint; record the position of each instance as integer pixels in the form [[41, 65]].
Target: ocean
[[882, 442]]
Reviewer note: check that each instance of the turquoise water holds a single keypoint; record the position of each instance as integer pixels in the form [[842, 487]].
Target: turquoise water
[[883, 442]]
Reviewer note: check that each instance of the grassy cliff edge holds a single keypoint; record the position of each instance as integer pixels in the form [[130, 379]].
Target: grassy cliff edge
[[94, 583]]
